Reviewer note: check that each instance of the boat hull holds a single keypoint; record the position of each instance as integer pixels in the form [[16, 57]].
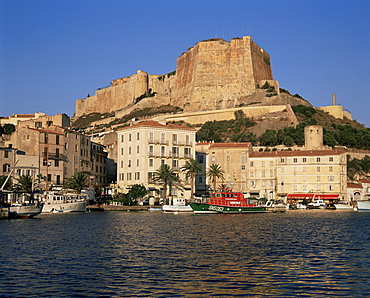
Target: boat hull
[[171, 208], [363, 206], [71, 207], [24, 211], [211, 208]]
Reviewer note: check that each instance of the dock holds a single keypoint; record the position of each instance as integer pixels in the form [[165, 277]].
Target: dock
[[96, 208]]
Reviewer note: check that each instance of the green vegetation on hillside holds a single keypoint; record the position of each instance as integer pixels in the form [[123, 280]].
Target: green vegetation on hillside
[[358, 166]]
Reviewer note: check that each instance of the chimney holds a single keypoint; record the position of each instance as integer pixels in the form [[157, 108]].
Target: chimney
[[333, 99]]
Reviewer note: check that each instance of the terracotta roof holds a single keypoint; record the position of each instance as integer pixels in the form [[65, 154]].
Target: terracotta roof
[[230, 145], [364, 181], [46, 131], [157, 124], [296, 153], [353, 185]]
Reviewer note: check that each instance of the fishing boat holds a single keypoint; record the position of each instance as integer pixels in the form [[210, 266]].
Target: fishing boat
[[227, 201], [57, 201], [179, 205]]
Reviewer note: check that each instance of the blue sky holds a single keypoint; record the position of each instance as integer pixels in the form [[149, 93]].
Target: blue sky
[[53, 52]]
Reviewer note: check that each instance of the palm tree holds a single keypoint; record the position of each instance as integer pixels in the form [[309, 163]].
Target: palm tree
[[215, 172], [136, 191], [191, 168], [165, 175], [24, 183], [78, 182]]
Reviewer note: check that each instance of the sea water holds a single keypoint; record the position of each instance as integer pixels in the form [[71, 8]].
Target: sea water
[[301, 253]]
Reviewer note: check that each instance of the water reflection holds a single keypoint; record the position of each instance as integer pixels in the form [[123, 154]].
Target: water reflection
[[298, 253]]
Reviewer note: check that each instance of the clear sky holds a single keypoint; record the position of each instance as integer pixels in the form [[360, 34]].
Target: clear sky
[[53, 52]]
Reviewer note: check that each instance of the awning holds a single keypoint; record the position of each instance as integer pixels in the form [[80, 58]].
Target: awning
[[327, 197], [301, 196]]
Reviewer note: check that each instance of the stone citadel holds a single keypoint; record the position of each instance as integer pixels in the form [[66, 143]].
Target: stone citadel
[[212, 75]]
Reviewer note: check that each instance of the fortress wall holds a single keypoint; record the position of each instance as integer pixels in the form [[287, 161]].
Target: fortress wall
[[218, 115], [261, 63]]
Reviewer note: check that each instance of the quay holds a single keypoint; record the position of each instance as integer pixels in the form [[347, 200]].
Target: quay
[[94, 208]]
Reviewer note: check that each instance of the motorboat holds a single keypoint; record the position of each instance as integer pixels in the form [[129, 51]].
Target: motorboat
[[179, 205], [276, 206], [57, 201], [364, 205], [319, 204], [343, 206]]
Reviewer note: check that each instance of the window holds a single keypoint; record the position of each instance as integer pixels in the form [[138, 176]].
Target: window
[[295, 188], [330, 187], [121, 163], [6, 168], [137, 175], [331, 158], [318, 159], [318, 169], [251, 174], [295, 159], [137, 162], [304, 169], [151, 136], [122, 140], [56, 163], [6, 154], [150, 177], [243, 159], [251, 164], [128, 176], [282, 160], [330, 178], [163, 151], [129, 139], [187, 140], [252, 184], [129, 150], [271, 163], [200, 179], [138, 136], [174, 138], [263, 173], [57, 140], [187, 152], [137, 149], [304, 178], [330, 169], [271, 183], [281, 170], [243, 168], [163, 137], [38, 124], [200, 158], [271, 173], [263, 164], [129, 163], [151, 162], [175, 164], [228, 158], [46, 138], [122, 151], [304, 159], [151, 150]]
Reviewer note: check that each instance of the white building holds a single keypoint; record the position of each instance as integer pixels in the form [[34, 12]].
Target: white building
[[143, 147]]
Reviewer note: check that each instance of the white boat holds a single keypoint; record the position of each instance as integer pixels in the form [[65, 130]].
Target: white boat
[[364, 205], [343, 206], [276, 206], [54, 201], [319, 204], [22, 205], [179, 206]]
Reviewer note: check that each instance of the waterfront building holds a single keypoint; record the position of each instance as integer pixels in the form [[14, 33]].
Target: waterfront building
[[98, 175], [143, 147], [355, 191], [233, 159]]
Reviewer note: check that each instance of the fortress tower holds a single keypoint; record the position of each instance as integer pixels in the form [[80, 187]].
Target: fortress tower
[[313, 137]]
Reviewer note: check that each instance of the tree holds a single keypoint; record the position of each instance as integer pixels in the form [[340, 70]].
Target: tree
[[136, 191], [78, 182], [165, 175], [9, 128], [191, 168], [215, 172], [24, 183]]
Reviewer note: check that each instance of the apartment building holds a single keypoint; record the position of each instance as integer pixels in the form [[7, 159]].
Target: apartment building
[[143, 147], [98, 176], [233, 159], [299, 174]]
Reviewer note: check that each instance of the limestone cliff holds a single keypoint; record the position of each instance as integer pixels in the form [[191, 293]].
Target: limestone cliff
[[214, 74]]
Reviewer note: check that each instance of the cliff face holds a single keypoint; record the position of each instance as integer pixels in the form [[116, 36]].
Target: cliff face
[[214, 74]]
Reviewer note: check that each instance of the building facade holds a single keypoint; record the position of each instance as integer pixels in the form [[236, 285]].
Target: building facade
[[144, 147]]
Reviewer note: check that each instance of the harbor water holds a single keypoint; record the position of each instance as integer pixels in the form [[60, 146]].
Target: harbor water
[[303, 253]]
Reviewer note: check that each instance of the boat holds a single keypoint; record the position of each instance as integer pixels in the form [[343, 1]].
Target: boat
[[61, 210], [343, 206], [227, 201], [319, 204], [276, 206], [179, 205], [55, 201], [364, 205], [155, 209]]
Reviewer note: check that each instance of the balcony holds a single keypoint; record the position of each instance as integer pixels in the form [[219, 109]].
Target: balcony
[[182, 143], [158, 142]]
